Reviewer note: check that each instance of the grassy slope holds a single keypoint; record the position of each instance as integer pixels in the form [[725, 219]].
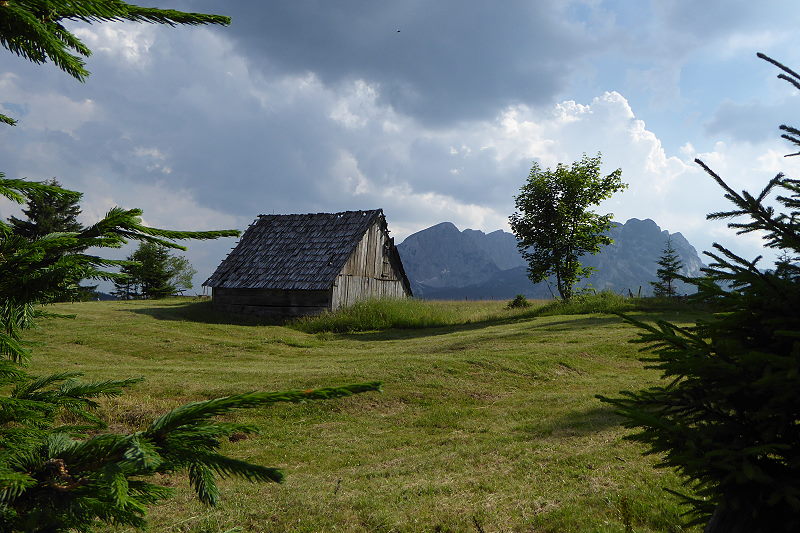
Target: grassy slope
[[491, 426]]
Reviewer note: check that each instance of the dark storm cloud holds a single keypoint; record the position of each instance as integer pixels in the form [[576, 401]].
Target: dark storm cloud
[[214, 137], [240, 143], [438, 61]]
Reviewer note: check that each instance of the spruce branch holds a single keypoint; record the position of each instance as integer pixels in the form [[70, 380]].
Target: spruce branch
[[781, 66], [201, 479], [30, 389], [7, 120], [144, 454], [32, 29], [196, 412], [228, 467], [793, 81], [18, 190], [13, 484]]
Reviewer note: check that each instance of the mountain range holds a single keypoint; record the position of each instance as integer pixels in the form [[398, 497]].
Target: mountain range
[[443, 262]]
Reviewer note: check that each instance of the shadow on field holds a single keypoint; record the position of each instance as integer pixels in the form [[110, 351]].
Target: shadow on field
[[202, 312], [589, 421], [577, 423], [588, 322]]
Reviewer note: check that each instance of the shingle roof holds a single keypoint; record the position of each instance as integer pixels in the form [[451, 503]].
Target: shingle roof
[[293, 252]]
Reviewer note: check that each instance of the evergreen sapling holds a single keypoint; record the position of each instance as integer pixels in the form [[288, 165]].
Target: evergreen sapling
[[152, 272], [668, 273]]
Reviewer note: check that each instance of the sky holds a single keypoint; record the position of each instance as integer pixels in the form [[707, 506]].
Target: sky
[[431, 110]]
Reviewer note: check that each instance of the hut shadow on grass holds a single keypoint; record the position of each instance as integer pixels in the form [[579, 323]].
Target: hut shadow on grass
[[203, 312], [575, 423]]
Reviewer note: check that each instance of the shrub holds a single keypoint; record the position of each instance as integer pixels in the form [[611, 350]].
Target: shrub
[[588, 303], [519, 302]]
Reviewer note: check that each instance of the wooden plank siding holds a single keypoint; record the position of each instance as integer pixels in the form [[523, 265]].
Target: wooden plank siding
[[270, 302], [350, 289], [273, 297], [370, 272]]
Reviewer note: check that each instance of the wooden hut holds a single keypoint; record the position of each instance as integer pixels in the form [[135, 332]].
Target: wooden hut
[[291, 265]]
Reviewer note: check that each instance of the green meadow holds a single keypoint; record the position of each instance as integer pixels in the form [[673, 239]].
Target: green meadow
[[487, 421]]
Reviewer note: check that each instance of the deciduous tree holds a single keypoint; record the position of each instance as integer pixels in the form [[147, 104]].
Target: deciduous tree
[[181, 273], [554, 224]]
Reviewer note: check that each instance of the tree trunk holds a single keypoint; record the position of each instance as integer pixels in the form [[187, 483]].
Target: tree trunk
[[726, 520]]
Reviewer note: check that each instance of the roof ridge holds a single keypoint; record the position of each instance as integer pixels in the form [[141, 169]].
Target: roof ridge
[[362, 211]]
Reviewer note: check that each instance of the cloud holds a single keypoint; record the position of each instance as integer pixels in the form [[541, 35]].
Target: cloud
[[45, 110], [215, 143], [130, 43], [439, 62]]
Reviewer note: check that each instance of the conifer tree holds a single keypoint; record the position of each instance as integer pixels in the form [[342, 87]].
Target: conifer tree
[[669, 272], [728, 419], [48, 213], [126, 286], [152, 272]]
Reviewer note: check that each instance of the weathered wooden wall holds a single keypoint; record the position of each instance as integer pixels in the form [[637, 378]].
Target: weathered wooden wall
[[370, 272], [350, 289], [270, 302]]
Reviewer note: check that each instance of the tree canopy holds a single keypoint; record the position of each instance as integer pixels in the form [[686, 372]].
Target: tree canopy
[[553, 222], [48, 213]]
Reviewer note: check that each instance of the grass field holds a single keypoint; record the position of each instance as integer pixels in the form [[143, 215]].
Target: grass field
[[486, 426]]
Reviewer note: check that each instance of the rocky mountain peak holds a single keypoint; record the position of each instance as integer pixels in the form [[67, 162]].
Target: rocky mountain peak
[[444, 262]]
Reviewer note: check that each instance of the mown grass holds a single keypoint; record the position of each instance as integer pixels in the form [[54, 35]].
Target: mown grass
[[487, 426]]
